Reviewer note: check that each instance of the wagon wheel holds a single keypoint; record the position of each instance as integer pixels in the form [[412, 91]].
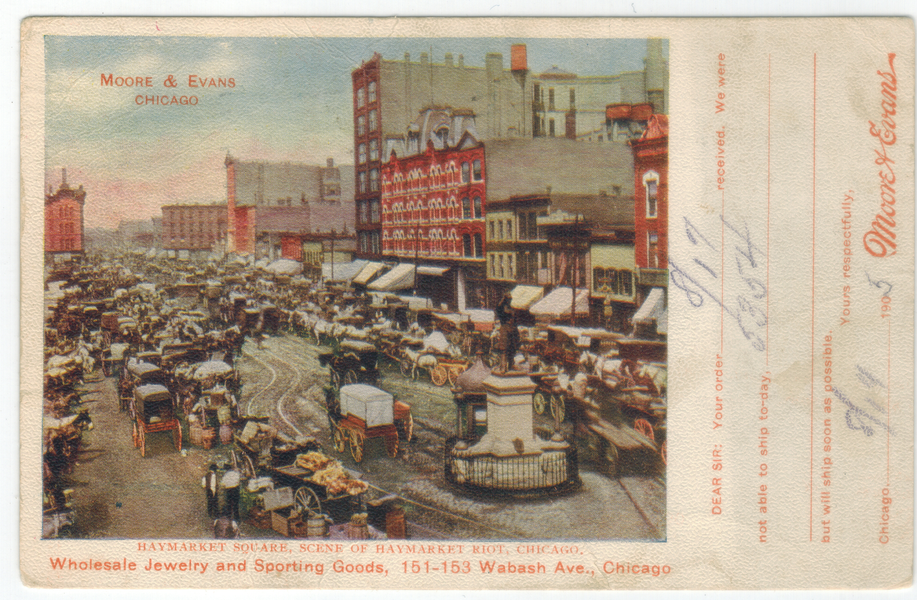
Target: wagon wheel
[[454, 373], [335, 379], [558, 408], [350, 377], [662, 453], [356, 445], [439, 376], [135, 435], [176, 436], [142, 441], [307, 501], [339, 438], [406, 428], [643, 427], [391, 444], [406, 367], [611, 459], [539, 402]]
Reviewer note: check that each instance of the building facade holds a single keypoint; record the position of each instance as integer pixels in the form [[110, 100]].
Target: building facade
[[508, 101], [64, 218], [267, 199], [193, 227], [651, 200]]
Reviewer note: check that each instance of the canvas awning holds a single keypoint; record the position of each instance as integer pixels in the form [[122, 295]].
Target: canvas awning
[[524, 296], [652, 307], [399, 278], [432, 271], [368, 272], [557, 303], [342, 271]]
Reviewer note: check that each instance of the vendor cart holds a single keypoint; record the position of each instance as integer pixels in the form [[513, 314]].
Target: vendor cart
[[152, 411], [314, 495], [361, 412]]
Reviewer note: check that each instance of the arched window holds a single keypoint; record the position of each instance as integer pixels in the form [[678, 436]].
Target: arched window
[[466, 172], [478, 246], [476, 170], [466, 208], [650, 186], [478, 208]]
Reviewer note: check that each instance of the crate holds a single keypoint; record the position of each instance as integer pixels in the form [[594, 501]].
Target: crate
[[280, 504], [369, 404]]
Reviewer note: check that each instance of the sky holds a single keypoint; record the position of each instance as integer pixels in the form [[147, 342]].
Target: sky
[[291, 102]]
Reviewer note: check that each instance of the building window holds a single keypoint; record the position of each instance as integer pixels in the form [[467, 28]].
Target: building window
[[550, 98], [478, 246], [361, 154], [605, 280], [466, 245], [509, 229], [572, 99], [374, 211], [478, 208], [500, 229], [374, 149], [361, 97], [373, 120], [374, 180], [625, 282], [363, 212], [361, 183], [361, 125], [476, 169], [493, 230], [372, 91], [652, 250], [650, 183], [466, 173], [493, 265], [466, 208], [551, 124], [502, 270], [536, 93]]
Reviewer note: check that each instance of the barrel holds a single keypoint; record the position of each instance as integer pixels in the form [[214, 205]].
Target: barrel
[[208, 437], [395, 524], [316, 526], [225, 434]]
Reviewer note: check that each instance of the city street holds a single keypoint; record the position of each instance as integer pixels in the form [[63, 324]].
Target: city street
[[121, 495]]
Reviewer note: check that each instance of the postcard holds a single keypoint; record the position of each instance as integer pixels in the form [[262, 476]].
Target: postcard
[[467, 303]]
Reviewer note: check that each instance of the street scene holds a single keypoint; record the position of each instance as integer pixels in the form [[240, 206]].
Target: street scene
[[439, 313]]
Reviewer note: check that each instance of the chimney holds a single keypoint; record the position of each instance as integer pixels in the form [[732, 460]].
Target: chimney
[[461, 60], [424, 59], [518, 60], [63, 177], [448, 59], [330, 163]]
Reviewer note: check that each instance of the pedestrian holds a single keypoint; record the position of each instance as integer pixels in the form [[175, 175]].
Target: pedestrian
[[230, 483], [209, 482]]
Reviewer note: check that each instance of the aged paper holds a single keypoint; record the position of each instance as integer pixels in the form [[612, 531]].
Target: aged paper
[[703, 228]]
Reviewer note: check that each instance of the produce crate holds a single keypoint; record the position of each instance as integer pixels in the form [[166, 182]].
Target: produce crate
[[280, 504]]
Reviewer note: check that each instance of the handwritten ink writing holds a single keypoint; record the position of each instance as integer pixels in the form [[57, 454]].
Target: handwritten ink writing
[[859, 419], [879, 241]]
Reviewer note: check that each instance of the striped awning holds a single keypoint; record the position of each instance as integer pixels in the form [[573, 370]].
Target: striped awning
[[524, 296], [557, 303], [399, 278], [368, 272], [653, 307]]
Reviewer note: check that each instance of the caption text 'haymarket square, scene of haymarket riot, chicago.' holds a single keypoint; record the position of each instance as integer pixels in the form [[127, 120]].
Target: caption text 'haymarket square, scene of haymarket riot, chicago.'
[[355, 288]]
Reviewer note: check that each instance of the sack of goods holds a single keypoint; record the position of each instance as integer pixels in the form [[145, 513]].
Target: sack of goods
[[331, 474]]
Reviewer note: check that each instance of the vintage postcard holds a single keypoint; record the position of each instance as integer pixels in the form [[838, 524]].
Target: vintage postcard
[[467, 303]]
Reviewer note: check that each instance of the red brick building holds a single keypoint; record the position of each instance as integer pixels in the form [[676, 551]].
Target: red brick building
[[651, 195], [64, 218], [193, 227]]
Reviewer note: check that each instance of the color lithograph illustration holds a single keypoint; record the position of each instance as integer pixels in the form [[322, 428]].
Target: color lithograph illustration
[[378, 304], [403, 289]]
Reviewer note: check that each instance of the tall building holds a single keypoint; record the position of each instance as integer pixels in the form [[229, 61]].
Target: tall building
[[193, 227], [506, 102], [266, 199], [64, 218]]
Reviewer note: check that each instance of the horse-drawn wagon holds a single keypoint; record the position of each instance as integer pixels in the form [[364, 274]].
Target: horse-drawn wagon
[[153, 411], [360, 412]]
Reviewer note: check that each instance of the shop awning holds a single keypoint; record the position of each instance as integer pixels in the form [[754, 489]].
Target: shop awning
[[342, 271], [653, 307], [524, 296], [432, 271], [557, 303], [399, 278], [368, 272]]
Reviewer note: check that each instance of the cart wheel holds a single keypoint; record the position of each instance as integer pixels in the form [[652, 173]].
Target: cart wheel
[[406, 367], [307, 501], [339, 437], [408, 428], [539, 403], [335, 379], [350, 377], [142, 441], [558, 408], [135, 435], [356, 445], [643, 427], [454, 374], [662, 455], [439, 376], [176, 436], [391, 445], [611, 459], [106, 369]]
